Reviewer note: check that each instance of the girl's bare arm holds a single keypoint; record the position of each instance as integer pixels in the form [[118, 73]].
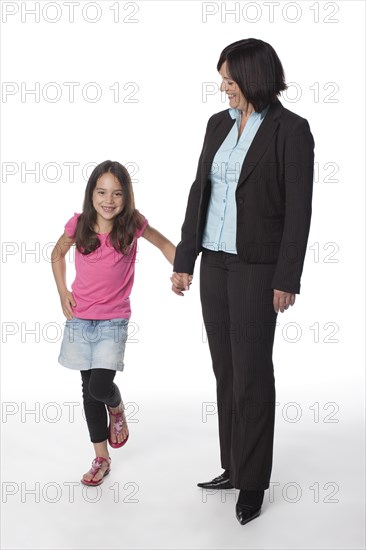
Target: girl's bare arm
[[157, 239], [58, 254]]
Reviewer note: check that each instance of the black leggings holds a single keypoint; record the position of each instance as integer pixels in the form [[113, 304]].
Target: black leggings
[[99, 390]]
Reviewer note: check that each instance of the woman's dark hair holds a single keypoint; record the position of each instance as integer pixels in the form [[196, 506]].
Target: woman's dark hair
[[256, 69], [124, 225]]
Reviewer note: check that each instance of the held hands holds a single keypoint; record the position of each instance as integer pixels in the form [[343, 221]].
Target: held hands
[[67, 302], [180, 282], [282, 300]]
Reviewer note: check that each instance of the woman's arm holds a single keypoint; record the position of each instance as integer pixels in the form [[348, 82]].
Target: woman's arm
[[186, 253], [58, 254], [298, 179], [157, 239]]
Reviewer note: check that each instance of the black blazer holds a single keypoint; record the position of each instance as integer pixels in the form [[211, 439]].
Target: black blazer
[[273, 196]]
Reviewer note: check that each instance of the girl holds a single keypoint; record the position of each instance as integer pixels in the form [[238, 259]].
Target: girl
[[98, 308]]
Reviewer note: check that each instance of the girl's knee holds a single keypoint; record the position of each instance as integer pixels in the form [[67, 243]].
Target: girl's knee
[[99, 391], [101, 386]]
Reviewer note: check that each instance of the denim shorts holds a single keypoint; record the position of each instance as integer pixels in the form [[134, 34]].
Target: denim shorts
[[89, 344]]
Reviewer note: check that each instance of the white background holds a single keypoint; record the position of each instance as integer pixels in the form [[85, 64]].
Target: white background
[[169, 54]]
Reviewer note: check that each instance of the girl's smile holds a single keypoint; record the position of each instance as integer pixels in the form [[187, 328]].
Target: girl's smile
[[107, 201]]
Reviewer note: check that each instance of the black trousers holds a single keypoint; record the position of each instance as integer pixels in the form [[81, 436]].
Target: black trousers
[[237, 306], [99, 390]]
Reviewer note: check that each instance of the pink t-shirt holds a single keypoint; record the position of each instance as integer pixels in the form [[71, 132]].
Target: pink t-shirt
[[104, 278]]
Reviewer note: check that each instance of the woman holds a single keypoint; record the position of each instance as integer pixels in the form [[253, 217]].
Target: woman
[[248, 212]]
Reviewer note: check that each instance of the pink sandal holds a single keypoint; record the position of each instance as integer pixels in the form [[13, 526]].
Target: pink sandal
[[96, 466], [118, 423]]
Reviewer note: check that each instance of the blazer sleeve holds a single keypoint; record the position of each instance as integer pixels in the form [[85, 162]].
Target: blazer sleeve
[[298, 177], [186, 251]]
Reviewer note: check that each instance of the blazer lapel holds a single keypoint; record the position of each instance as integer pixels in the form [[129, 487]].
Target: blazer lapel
[[261, 141], [217, 136]]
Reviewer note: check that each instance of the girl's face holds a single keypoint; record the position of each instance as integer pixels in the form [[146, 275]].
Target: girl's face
[[107, 200], [236, 98]]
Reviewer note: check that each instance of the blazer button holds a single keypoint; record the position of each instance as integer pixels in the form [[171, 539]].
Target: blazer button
[[240, 201]]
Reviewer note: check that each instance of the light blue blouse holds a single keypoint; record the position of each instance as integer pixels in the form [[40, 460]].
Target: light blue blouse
[[220, 228]]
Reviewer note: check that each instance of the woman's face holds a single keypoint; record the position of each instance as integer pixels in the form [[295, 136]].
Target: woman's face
[[236, 98]]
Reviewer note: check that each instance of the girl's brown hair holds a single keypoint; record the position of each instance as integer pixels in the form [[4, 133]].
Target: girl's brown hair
[[125, 224]]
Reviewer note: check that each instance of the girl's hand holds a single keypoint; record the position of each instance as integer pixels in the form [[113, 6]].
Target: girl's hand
[[180, 281], [67, 302], [282, 300]]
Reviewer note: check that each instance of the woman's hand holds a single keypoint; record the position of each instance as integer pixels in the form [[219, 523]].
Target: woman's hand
[[282, 300], [181, 281], [67, 302]]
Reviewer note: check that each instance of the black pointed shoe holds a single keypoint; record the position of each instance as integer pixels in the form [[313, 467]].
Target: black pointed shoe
[[219, 482], [245, 513]]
